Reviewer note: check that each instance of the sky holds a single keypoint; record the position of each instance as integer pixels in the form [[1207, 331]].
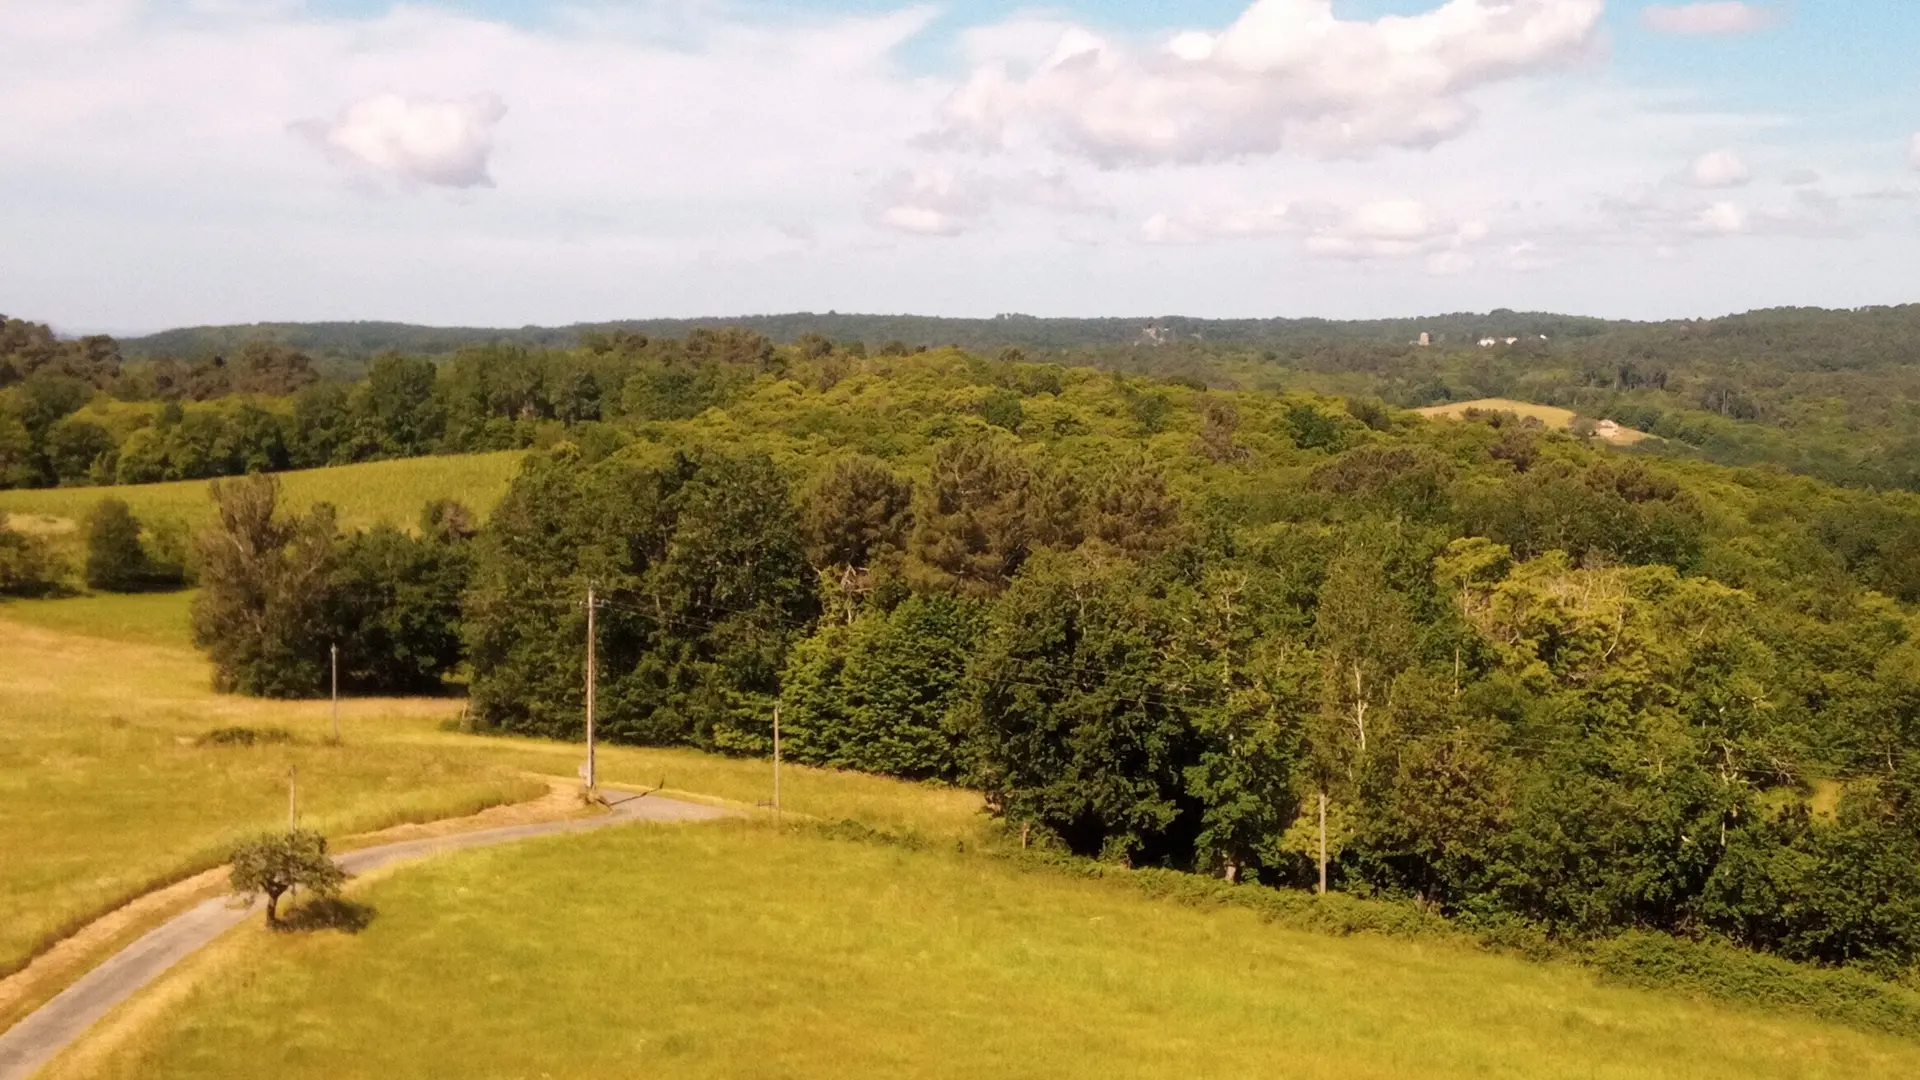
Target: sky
[[506, 162]]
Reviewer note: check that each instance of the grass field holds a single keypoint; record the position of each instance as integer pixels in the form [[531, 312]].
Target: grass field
[[1556, 418], [731, 951], [391, 491], [735, 951], [105, 790]]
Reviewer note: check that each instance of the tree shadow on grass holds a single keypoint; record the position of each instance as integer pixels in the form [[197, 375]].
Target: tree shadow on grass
[[328, 913]]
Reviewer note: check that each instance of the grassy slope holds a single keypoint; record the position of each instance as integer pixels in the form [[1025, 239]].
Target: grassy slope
[[390, 491], [104, 794], [735, 951]]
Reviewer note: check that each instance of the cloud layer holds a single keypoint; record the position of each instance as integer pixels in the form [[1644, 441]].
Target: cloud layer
[[421, 140], [1287, 74], [1724, 17]]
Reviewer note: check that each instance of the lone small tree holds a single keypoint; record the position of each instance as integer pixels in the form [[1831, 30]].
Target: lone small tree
[[274, 863], [115, 560]]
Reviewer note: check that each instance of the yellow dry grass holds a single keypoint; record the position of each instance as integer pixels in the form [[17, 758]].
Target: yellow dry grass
[[1556, 418]]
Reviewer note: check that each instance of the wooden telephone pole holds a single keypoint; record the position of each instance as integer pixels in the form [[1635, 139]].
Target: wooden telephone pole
[[333, 652], [776, 762], [592, 677], [1323, 843]]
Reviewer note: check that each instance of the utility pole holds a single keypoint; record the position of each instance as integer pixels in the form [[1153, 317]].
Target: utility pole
[[592, 677], [1323, 843], [776, 762], [293, 806], [334, 654]]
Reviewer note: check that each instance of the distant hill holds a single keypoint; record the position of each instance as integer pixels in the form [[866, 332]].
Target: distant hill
[[359, 339]]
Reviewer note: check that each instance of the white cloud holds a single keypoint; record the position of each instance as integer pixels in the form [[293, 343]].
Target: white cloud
[[1721, 218], [930, 202], [422, 140], [942, 201], [1383, 230], [1287, 73], [1713, 18], [1719, 169], [1913, 152]]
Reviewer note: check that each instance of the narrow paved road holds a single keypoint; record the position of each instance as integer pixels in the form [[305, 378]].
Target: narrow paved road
[[52, 1027]]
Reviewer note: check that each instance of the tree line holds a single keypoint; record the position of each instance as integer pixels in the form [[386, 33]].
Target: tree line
[[1828, 394], [1534, 681]]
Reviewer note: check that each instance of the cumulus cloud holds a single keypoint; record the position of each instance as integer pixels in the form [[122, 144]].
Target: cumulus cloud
[[1913, 152], [1712, 18], [1286, 74], [421, 140], [1719, 169]]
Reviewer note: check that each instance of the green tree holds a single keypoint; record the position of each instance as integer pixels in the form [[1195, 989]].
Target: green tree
[[264, 575], [117, 560], [881, 694], [397, 413], [80, 452], [393, 608], [855, 511], [273, 864], [971, 529], [1083, 720]]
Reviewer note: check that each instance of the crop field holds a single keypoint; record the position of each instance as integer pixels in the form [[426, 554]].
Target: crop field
[[1553, 417], [390, 491], [742, 951]]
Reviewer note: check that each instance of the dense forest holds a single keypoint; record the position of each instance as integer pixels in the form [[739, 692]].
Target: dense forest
[[1508, 674], [1830, 394]]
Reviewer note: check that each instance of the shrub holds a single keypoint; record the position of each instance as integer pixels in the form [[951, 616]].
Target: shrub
[[27, 568], [117, 560]]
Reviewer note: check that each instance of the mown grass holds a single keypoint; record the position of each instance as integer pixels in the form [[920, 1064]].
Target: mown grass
[[737, 951], [389, 491]]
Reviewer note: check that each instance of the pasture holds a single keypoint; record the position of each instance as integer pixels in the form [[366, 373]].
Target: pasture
[[738, 950]]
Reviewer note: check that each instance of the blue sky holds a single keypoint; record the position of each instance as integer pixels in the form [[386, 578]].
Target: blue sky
[[503, 162]]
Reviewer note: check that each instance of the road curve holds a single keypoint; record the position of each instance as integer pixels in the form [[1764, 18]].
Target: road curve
[[46, 1031]]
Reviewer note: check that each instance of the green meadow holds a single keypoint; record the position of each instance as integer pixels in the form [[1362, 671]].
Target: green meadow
[[742, 951], [363, 495]]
